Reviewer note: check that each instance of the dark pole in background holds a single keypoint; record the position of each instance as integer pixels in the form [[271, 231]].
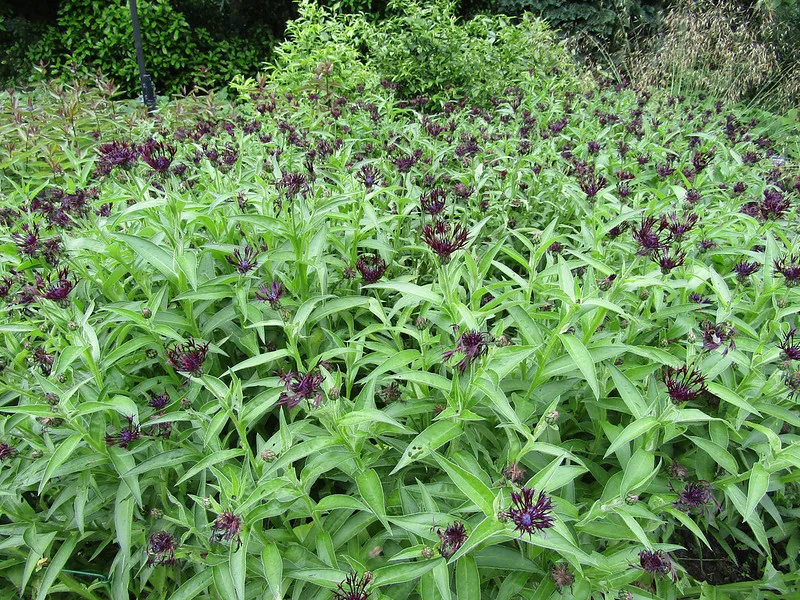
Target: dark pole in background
[[148, 91]]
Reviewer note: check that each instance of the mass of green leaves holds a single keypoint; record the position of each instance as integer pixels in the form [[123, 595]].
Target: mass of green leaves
[[236, 357]]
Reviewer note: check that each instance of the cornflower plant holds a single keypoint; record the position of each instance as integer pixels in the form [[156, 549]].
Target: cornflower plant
[[132, 464]]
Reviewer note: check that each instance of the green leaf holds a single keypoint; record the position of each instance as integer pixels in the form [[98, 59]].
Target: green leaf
[[468, 579], [56, 564], [161, 461], [371, 490], [272, 562], [731, 397], [209, 461], [261, 359], [472, 487], [720, 455], [628, 392], [436, 435], [155, 255], [756, 488], [61, 454], [631, 432], [637, 471], [400, 573], [237, 563], [687, 522], [583, 360], [409, 289]]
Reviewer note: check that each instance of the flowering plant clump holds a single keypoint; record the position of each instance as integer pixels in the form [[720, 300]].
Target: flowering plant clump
[[267, 338]]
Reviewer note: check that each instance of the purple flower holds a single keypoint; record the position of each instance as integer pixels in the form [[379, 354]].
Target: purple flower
[[369, 176], [592, 184], [116, 154], [353, 587], [789, 267], [433, 202], [773, 205], [43, 360], [684, 384], [28, 241], [696, 298], [293, 184], [271, 293], [227, 526], [668, 259], [718, 335], [243, 259], [791, 349], [158, 401], [695, 496], [372, 267], [157, 155], [58, 291], [530, 516], [160, 549], [678, 226], [301, 387], [445, 239], [473, 344], [125, 436], [744, 269], [188, 357], [452, 539], [593, 146], [657, 563], [645, 236], [6, 451]]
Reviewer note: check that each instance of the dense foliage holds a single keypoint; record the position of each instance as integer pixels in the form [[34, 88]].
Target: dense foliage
[[328, 341], [96, 36]]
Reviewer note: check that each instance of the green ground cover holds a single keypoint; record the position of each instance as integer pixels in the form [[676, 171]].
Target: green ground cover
[[530, 337]]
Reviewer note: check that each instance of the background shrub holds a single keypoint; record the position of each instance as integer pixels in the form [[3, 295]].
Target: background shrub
[[93, 35]]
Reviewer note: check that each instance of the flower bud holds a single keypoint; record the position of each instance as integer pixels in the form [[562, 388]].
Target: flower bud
[[147, 313]]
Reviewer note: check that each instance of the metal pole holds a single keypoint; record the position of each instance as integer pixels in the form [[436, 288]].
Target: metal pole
[[148, 91]]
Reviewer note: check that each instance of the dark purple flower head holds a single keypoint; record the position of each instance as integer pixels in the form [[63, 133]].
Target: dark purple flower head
[[44, 360], [696, 496], [116, 154], [678, 226], [60, 289], [593, 146], [744, 269], [698, 298], [707, 244], [591, 184], [773, 205], [789, 267], [717, 336], [452, 539], [692, 197], [445, 239], [158, 401], [271, 293], [353, 587], [227, 526], [293, 184], [371, 266], [188, 357], [157, 155], [301, 387], [369, 176], [161, 549], [243, 259], [433, 202], [530, 516], [473, 344], [657, 563], [646, 236], [7, 451], [684, 384], [790, 345], [617, 230], [463, 191], [668, 259], [28, 241], [125, 436]]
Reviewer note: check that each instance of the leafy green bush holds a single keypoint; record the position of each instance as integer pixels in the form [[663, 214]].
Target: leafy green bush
[[96, 36]]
